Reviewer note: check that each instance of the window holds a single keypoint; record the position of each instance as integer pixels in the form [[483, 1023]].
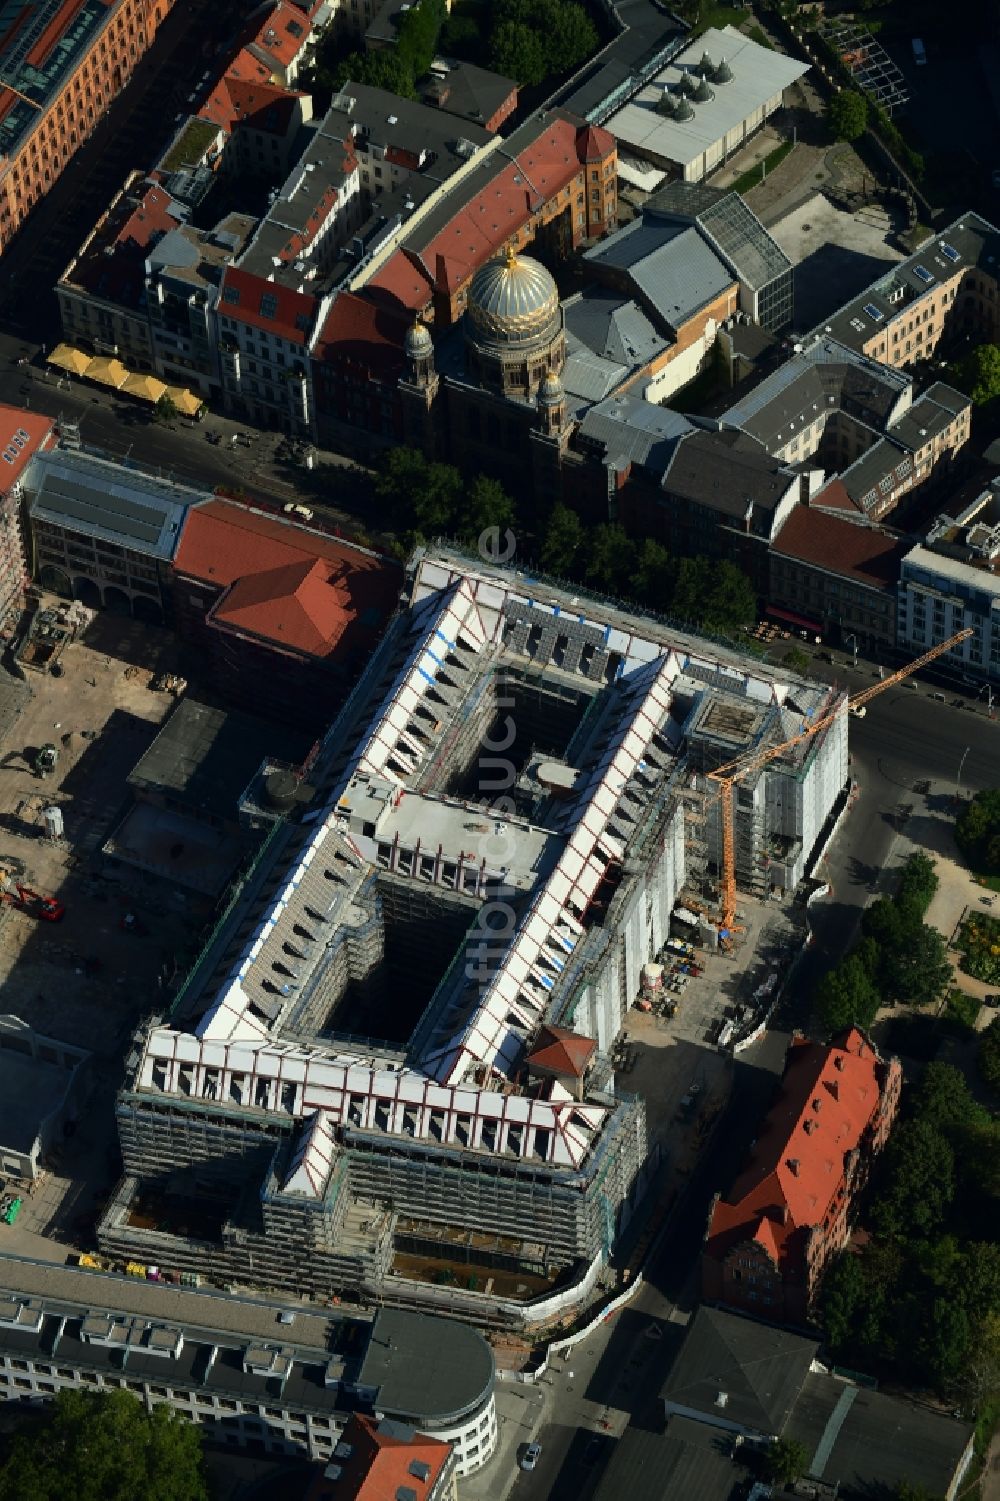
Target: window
[[230, 293], [268, 305]]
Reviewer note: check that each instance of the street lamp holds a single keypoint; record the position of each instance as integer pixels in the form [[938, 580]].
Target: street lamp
[[849, 637], [988, 690], [958, 791]]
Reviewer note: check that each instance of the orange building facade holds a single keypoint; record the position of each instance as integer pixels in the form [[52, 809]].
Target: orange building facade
[[67, 59]]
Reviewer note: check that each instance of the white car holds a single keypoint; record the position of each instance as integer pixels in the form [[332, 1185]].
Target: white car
[[531, 1456], [860, 711], [292, 508]]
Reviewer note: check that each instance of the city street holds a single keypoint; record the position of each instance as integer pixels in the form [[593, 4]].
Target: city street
[[615, 1374]]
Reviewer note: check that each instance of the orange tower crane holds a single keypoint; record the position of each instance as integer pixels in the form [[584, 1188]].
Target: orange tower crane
[[734, 771]]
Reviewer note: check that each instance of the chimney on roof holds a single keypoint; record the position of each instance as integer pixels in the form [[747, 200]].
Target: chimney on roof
[[834, 1087], [838, 1062], [793, 1164]]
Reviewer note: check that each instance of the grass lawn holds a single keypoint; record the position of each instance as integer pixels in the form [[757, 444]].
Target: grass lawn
[[752, 178], [718, 16]]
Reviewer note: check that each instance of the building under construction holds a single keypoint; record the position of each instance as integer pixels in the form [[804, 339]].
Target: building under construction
[[393, 1053]]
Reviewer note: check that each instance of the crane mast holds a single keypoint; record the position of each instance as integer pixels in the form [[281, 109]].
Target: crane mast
[[734, 771]]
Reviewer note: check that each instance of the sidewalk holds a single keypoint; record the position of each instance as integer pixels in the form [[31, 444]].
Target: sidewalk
[[519, 1415]]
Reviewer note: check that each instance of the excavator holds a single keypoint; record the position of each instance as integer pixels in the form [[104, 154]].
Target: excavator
[[45, 908]]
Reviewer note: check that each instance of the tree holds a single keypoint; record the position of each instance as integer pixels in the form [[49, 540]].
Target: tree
[[562, 542], [920, 1172], [917, 885], [846, 996], [731, 601], [847, 113], [518, 52], [943, 1099], [787, 1460], [417, 493], [104, 1446], [485, 504], [796, 660], [382, 69], [978, 374], [611, 563], [989, 1054], [917, 969], [977, 832], [655, 575], [842, 1296], [417, 35], [569, 35], [165, 409]]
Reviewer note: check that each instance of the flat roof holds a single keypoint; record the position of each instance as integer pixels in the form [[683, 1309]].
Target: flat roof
[[952, 569], [106, 501], [207, 756], [759, 73], [429, 1368], [670, 264]]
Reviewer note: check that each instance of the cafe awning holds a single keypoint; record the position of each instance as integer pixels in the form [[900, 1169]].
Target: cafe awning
[[67, 358], [186, 402], [145, 387], [107, 372]]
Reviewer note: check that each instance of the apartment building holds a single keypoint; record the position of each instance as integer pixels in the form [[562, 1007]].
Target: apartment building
[[377, 1460], [836, 576], [947, 287], [951, 582], [310, 1386], [22, 435], [769, 1240], [67, 59]]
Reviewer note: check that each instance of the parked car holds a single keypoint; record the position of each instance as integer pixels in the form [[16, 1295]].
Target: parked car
[[993, 1001], [859, 711], [531, 1456], [292, 508]]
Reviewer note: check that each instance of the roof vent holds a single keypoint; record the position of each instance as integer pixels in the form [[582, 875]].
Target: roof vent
[[838, 1061], [723, 73], [722, 1399], [405, 1493], [420, 1469], [683, 110], [703, 93], [793, 1163]]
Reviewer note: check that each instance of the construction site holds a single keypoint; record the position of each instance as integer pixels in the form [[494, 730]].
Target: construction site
[[396, 1065]]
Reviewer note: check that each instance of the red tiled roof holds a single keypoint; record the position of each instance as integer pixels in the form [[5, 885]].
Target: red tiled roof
[[834, 497], [562, 1051], [841, 546], [15, 451], [363, 331], [594, 144], [378, 1466], [293, 314], [829, 1095], [302, 591], [244, 95], [482, 226], [280, 31], [304, 605]]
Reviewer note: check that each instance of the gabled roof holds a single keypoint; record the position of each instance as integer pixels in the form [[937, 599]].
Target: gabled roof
[[734, 1370], [560, 1051], [357, 329], [379, 1460], [300, 604], [838, 545], [828, 1097], [250, 299], [22, 434], [295, 587], [278, 32]]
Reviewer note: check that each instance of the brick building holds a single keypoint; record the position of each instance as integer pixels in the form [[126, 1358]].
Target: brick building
[[834, 576], [286, 617], [22, 434], [67, 59], [378, 1459], [769, 1241]]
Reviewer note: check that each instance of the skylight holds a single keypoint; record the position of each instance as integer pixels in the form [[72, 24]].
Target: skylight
[[872, 312], [923, 274], [949, 251]]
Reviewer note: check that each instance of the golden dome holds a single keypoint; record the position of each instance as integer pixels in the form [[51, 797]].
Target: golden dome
[[513, 300]]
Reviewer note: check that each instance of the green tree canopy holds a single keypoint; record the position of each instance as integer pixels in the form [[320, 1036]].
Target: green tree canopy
[[989, 1054], [562, 542], [978, 374], [518, 52], [380, 69], [920, 1169], [655, 575], [846, 996], [484, 504], [611, 559], [917, 885], [787, 1460], [917, 969], [847, 113], [977, 832], [104, 1446], [796, 660], [943, 1099], [417, 493]]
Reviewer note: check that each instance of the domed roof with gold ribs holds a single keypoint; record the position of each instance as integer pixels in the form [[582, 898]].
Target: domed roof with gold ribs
[[512, 300]]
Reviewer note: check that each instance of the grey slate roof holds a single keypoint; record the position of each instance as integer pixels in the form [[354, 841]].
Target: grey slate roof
[[587, 375], [727, 471], [630, 430], [875, 464], [100, 499], [427, 1368], [689, 1461], [614, 327], [759, 1369], [649, 37], [930, 414], [824, 376], [869, 1442], [671, 265], [467, 91], [973, 242]]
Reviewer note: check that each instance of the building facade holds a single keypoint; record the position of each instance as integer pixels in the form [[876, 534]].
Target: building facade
[[68, 61], [952, 583], [770, 1240]]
